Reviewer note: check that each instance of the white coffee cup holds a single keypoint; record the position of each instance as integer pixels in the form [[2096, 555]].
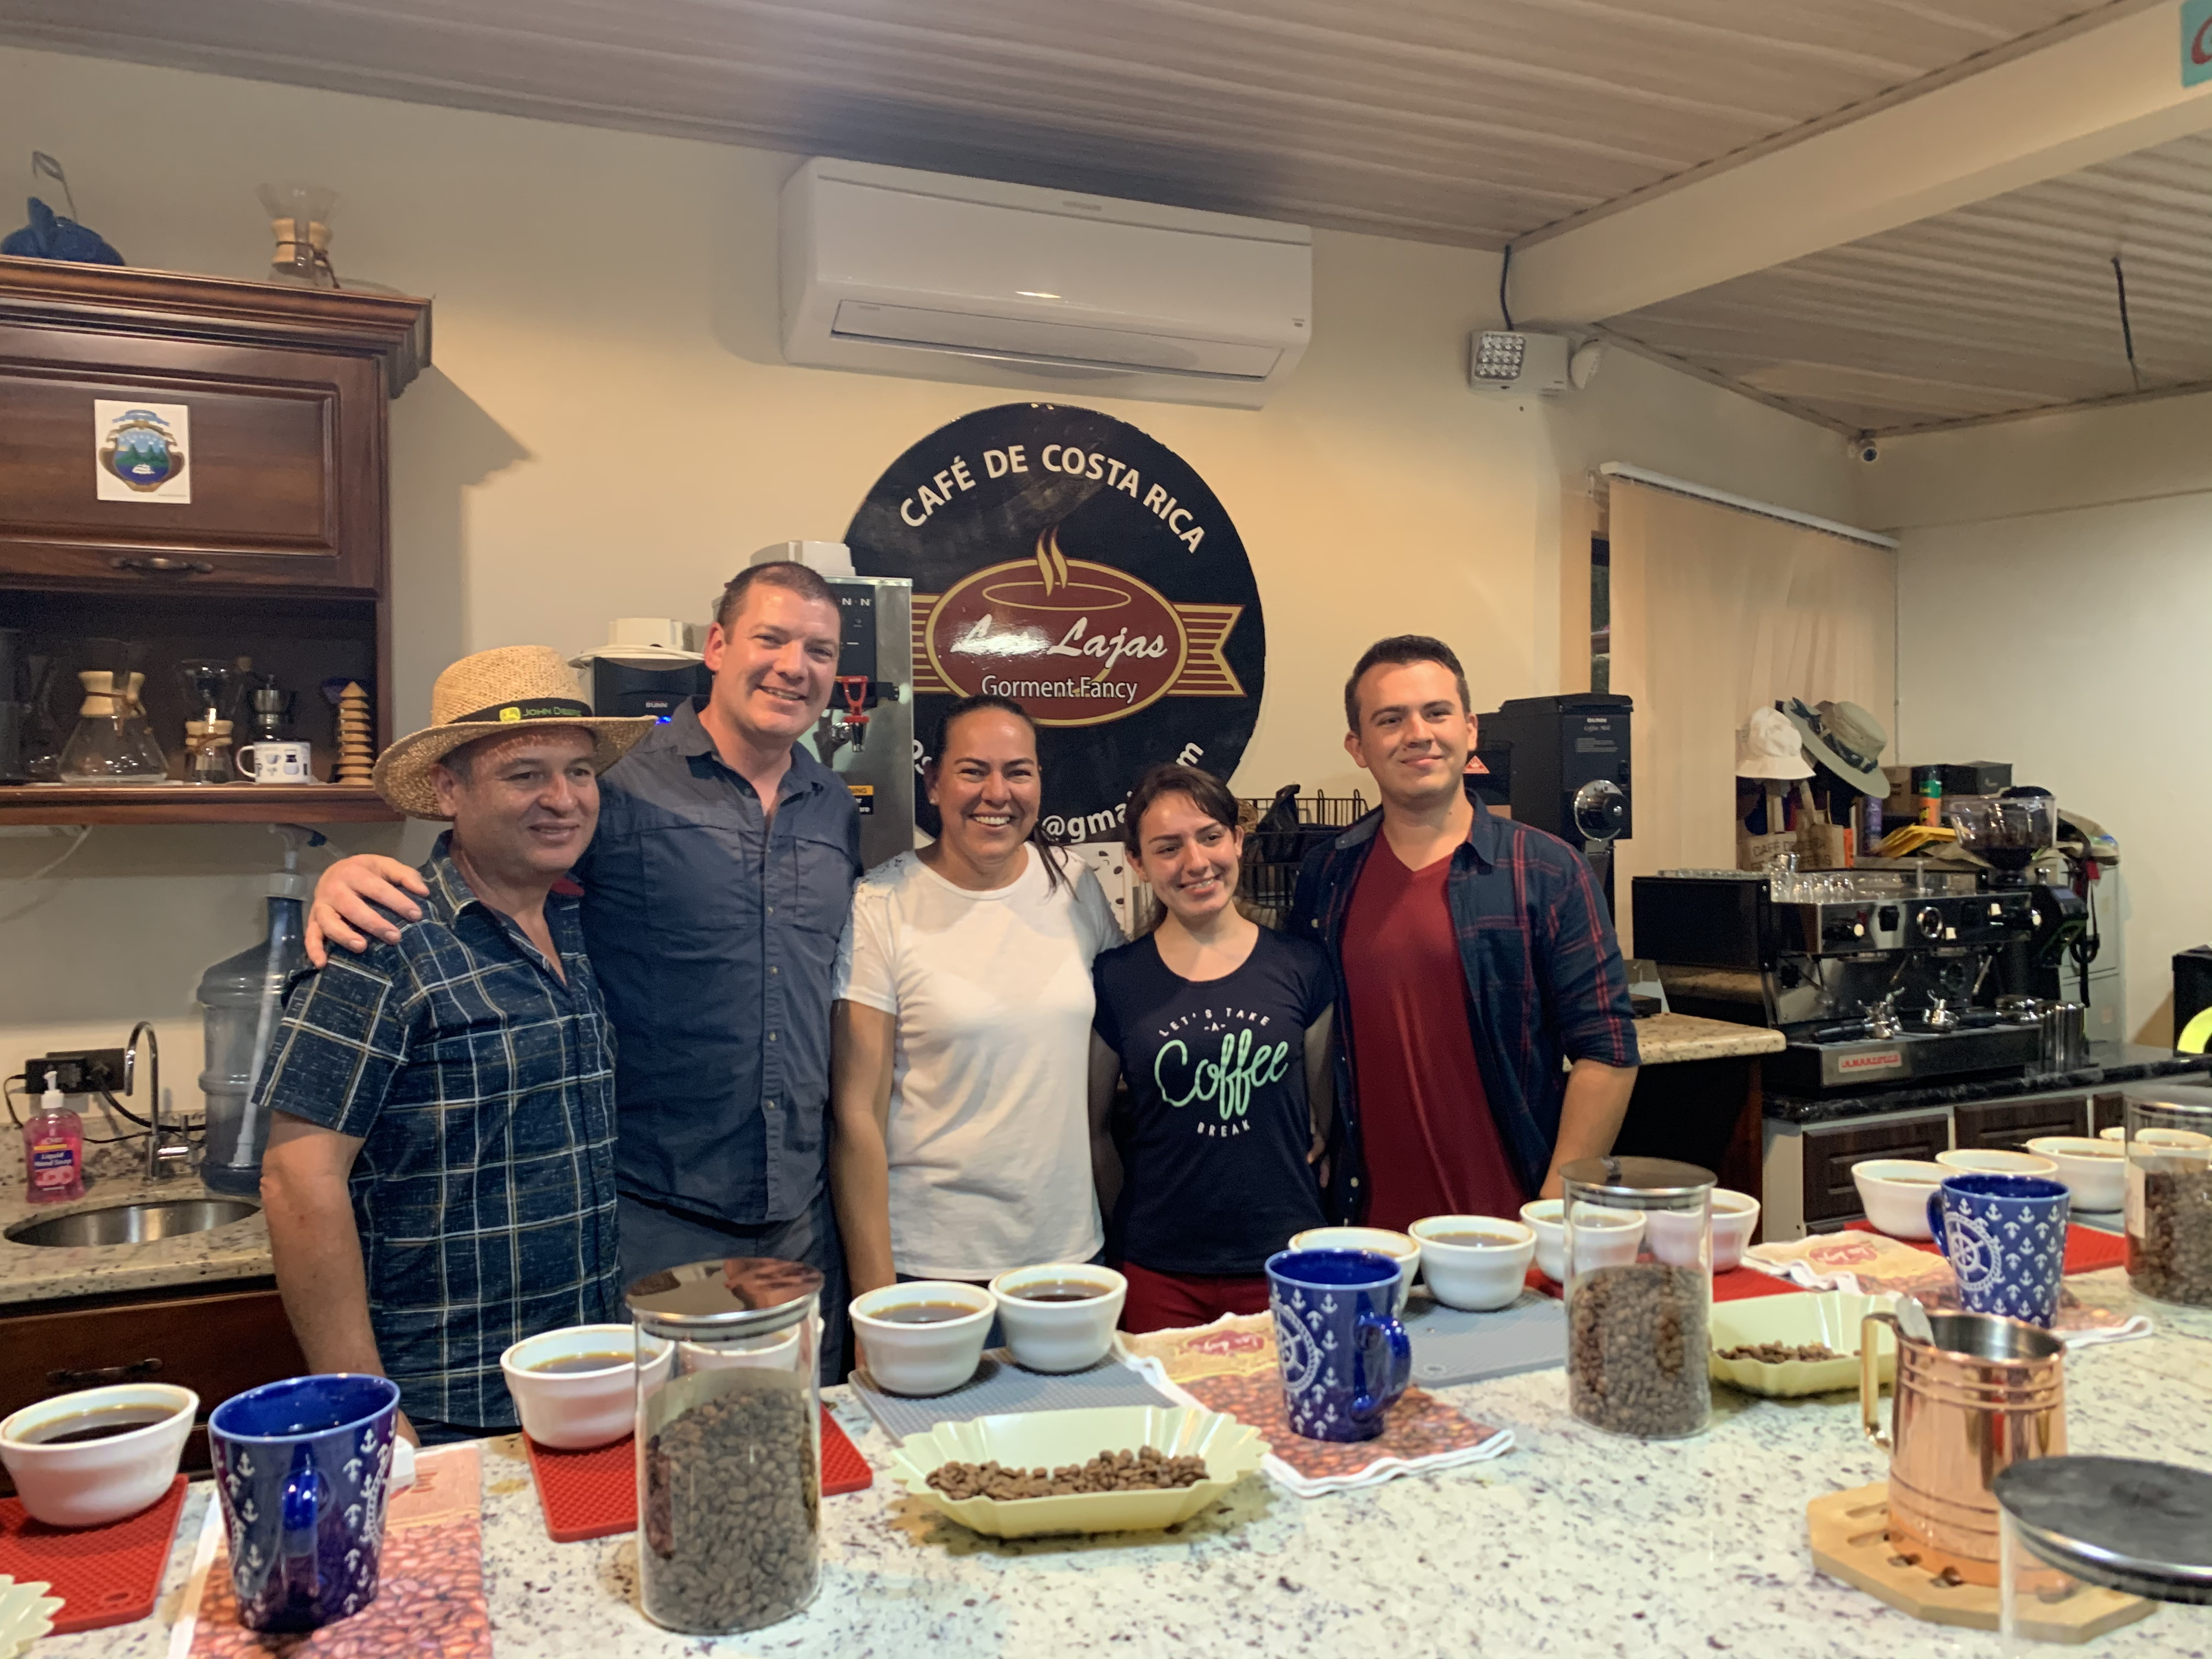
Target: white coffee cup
[[1401, 1248], [573, 1411], [923, 1359], [89, 1483], [1060, 1336], [1477, 1276], [274, 762], [1608, 1237]]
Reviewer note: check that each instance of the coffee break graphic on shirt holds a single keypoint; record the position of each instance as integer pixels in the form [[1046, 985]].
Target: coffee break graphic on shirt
[[1228, 1078]]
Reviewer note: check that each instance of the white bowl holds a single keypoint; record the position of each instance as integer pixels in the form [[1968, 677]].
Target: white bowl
[[1989, 1160], [2095, 1171], [2177, 1141], [1609, 1238], [93, 1482], [1231, 1449], [1894, 1193], [573, 1411], [923, 1359], [1401, 1248], [1060, 1336], [1479, 1277], [1735, 1217]]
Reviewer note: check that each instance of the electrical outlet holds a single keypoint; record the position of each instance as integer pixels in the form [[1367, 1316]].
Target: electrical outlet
[[77, 1071]]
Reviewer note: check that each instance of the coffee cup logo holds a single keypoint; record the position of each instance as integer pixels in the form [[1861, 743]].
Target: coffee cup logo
[[1075, 643]]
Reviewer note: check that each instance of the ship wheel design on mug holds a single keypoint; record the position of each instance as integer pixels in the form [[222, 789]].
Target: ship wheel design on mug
[[1974, 1251], [1301, 1357]]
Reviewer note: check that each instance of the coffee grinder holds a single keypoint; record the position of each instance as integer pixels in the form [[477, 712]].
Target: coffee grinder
[[1566, 769]]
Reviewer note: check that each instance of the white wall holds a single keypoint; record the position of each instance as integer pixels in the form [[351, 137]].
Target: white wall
[[598, 294], [2052, 589]]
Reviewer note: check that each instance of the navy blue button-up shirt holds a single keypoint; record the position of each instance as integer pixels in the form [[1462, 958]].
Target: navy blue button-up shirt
[[480, 1085], [714, 928]]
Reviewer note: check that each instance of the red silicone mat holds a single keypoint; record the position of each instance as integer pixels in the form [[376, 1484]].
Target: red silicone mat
[[593, 1494], [2087, 1248], [105, 1575], [1731, 1287]]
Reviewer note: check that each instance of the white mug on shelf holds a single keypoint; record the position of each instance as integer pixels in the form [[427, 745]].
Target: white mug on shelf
[[270, 762]]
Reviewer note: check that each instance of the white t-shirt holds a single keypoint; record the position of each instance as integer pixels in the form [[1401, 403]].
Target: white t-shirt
[[989, 1133]]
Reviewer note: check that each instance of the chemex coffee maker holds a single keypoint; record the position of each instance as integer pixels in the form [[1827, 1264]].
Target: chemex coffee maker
[[1874, 976]]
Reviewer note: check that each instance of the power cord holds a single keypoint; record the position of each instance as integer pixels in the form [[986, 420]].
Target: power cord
[[1505, 264]]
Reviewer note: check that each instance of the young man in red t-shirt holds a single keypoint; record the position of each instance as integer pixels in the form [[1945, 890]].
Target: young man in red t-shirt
[[1474, 956]]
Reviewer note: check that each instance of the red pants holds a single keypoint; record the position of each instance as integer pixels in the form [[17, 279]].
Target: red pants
[[1159, 1302]]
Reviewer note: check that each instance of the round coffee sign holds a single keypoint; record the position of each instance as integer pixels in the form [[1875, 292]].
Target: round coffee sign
[[1061, 558]]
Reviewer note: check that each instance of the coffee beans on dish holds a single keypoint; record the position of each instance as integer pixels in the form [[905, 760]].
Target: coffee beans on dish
[[732, 1495], [1780, 1353], [2170, 1233], [1148, 1468], [1636, 1349], [922, 1312]]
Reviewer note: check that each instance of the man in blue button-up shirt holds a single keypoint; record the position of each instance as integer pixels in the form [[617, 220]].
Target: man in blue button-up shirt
[[715, 897]]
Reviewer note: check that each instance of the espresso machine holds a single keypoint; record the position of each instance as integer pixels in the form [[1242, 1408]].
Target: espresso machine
[[1874, 977], [1564, 768]]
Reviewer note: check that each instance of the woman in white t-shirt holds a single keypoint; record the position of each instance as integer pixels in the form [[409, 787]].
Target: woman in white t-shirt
[[961, 1030]]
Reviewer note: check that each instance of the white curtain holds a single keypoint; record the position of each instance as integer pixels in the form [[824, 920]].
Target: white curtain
[[1717, 610]]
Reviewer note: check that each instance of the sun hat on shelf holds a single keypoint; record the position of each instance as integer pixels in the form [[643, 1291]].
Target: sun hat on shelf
[[1846, 739], [1767, 747], [492, 692]]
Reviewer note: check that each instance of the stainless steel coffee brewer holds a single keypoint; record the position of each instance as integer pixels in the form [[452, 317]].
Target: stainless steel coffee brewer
[[1875, 977]]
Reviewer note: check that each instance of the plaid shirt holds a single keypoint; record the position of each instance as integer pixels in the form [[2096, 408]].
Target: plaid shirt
[[1544, 982], [482, 1089]]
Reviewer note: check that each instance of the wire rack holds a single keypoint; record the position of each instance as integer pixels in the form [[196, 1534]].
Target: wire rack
[[1279, 833]]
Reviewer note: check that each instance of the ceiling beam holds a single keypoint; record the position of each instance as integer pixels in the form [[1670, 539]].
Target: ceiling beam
[[2086, 98]]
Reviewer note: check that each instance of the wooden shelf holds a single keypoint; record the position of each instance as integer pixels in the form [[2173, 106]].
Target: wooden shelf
[[181, 803]]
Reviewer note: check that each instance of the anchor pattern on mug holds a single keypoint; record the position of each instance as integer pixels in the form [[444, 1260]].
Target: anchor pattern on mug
[[1344, 1358], [2005, 1236]]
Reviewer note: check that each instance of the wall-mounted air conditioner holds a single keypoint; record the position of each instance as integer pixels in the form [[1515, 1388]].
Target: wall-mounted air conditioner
[[945, 278]]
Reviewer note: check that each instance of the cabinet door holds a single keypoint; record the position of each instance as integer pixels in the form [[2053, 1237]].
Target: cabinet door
[[215, 1346], [1829, 1150], [2008, 1125], [285, 454]]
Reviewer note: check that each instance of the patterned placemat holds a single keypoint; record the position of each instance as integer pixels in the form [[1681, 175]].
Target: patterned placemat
[[1000, 1386], [1452, 1346]]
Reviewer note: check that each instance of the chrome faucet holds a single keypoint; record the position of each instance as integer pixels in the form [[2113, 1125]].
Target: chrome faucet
[[169, 1152]]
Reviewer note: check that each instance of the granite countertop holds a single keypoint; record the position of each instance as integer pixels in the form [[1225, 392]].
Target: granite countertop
[[1672, 1039], [2113, 1064], [1574, 1545], [117, 1175]]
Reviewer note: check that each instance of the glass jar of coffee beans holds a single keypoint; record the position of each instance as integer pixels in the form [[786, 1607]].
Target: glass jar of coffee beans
[[1639, 1259], [2169, 1195], [729, 1444]]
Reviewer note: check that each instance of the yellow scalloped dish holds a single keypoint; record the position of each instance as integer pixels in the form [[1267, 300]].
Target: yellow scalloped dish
[[1798, 1320], [1231, 1449]]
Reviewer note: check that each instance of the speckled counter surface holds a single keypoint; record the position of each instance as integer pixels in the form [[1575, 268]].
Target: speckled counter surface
[[1574, 1543], [1673, 1039], [32, 1272]]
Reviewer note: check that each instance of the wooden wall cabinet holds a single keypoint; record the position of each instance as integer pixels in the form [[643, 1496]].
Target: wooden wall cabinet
[[214, 1343], [282, 552]]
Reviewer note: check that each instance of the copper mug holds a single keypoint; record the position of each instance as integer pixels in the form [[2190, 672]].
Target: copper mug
[[1987, 1392]]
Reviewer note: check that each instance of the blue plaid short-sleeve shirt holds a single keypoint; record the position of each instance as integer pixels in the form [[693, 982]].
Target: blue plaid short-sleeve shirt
[[482, 1089]]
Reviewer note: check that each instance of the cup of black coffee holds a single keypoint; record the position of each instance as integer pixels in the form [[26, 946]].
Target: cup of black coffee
[[1060, 1316], [576, 1387], [922, 1338], [98, 1455]]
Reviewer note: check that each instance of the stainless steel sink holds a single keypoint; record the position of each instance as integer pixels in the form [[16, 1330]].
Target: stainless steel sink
[[133, 1223]]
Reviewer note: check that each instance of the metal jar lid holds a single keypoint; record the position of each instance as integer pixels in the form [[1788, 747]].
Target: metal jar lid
[[1638, 1177], [2126, 1523], [741, 1296]]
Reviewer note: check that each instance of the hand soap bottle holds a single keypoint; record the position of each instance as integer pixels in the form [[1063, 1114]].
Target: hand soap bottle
[[53, 1149]]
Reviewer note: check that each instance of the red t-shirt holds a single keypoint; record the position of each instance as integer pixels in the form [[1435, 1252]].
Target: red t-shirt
[[1432, 1147]]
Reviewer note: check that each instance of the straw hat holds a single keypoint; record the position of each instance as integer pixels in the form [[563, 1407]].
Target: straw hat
[[1767, 747], [491, 692], [1846, 740]]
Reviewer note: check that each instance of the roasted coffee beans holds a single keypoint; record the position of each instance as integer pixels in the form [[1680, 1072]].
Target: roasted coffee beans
[[2170, 1232], [1148, 1468], [1636, 1349], [733, 1495], [1780, 1353]]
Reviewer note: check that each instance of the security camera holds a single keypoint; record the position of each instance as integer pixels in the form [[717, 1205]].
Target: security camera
[[1863, 448]]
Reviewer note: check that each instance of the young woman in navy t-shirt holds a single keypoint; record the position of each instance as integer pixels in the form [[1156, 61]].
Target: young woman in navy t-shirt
[[1221, 1027]]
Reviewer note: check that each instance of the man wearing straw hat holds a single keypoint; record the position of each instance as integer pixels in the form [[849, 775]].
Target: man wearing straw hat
[[714, 904], [439, 1182]]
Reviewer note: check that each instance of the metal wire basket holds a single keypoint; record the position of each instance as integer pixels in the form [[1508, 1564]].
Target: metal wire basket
[[1279, 833]]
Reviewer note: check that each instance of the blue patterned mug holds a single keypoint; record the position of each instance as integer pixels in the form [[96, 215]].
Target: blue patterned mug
[[300, 1468], [1344, 1358], [2006, 1239]]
